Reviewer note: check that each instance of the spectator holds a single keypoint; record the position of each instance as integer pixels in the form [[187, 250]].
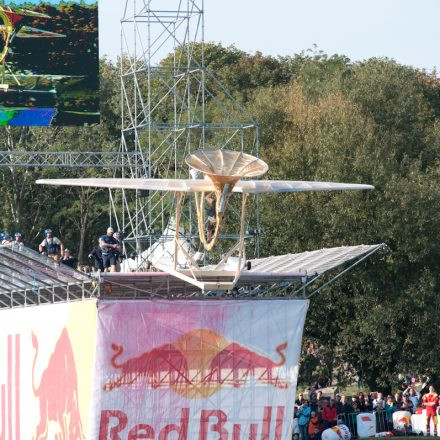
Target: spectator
[[299, 401], [355, 407], [314, 402], [314, 427], [96, 257], [413, 395], [51, 246], [118, 236], [67, 259], [295, 429], [346, 407], [338, 403], [390, 409], [406, 404], [430, 401], [84, 268], [18, 243], [303, 415], [398, 399], [7, 240], [329, 414], [368, 406], [109, 246], [378, 399]]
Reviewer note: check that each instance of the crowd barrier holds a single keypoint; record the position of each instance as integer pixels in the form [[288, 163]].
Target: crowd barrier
[[369, 423]]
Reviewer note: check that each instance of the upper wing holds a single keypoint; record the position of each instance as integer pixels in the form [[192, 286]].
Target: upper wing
[[199, 185], [181, 185], [263, 186]]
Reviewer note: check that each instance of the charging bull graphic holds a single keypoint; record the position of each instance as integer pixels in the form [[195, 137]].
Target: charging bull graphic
[[197, 365], [58, 394]]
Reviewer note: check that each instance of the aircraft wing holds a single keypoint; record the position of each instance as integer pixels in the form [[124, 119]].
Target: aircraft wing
[[181, 185], [199, 185], [277, 186]]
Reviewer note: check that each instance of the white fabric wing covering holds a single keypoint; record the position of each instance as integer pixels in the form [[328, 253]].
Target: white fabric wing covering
[[189, 185], [182, 185], [262, 186]]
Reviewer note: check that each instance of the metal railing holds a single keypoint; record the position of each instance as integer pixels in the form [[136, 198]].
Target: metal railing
[[350, 421]]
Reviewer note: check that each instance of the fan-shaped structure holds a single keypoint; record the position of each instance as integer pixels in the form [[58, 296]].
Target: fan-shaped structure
[[225, 166]]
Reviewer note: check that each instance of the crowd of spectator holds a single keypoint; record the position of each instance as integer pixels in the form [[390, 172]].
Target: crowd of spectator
[[106, 256], [315, 413]]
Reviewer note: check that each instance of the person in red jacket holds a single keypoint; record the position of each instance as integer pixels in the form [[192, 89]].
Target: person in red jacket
[[329, 414], [430, 402]]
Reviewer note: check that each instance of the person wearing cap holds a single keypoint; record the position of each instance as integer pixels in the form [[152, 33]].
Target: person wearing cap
[[18, 243], [51, 246], [109, 248], [67, 259]]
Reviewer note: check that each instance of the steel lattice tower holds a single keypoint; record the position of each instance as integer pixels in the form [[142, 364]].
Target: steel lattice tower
[[170, 105]]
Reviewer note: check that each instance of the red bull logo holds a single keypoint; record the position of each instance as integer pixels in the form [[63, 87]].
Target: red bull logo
[[58, 394], [338, 431], [197, 365]]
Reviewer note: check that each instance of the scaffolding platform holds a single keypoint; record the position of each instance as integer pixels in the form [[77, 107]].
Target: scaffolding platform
[[30, 279]]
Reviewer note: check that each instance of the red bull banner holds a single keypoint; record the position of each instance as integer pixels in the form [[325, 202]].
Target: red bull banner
[[196, 370], [46, 371]]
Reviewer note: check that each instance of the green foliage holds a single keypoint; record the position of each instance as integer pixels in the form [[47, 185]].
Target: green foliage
[[372, 122]]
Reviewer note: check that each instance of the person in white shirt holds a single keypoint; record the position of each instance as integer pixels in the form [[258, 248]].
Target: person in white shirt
[[51, 246], [379, 399], [18, 243]]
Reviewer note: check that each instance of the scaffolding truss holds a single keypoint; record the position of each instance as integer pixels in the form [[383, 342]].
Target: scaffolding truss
[[69, 159], [171, 105]]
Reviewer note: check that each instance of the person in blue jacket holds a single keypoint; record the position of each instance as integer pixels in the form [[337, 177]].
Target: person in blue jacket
[[303, 415]]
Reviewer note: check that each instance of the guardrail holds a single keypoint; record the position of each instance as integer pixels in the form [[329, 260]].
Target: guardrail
[[350, 421]]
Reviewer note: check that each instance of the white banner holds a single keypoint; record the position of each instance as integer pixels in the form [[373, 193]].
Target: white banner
[[197, 370]]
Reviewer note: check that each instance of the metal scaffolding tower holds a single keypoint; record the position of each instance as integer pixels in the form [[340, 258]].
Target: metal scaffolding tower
[[171, 105]]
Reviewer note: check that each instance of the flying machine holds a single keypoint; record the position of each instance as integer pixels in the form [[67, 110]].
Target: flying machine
[[224, 173]]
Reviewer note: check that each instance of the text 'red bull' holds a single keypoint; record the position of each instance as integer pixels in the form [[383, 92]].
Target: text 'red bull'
[[115, 425]]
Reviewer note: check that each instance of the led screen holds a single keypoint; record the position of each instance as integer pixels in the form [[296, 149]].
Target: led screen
[[49, 63]]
